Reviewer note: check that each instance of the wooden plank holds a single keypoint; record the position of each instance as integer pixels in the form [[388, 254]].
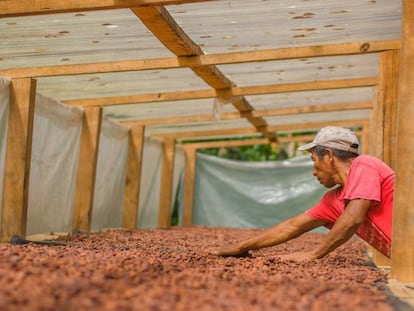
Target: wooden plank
[[317, 125], [189, 185], [262, 113], [204, 60], [88, 157], [164, 214], [236, 91], [251, 131], [402, 257], [18, 158], [384, 112], [142, 98], [389, 72], [133, 177], [304, 86], [365, 137], [30, 7], [314, 108]]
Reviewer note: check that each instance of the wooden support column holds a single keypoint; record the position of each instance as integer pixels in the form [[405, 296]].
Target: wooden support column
[[18, 158], [402, 258], [88, 157], [189, 185], [389, 78], [365, 138], [133, 177], [166, 183], [384, 122]]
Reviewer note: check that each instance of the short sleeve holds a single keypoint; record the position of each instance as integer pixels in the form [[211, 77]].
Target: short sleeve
[[329, 207]]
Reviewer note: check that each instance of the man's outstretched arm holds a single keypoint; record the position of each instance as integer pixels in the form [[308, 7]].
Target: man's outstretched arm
[[344, 228], [280, 233]]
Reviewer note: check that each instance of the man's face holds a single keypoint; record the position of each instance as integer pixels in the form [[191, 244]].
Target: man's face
[[323, 169]]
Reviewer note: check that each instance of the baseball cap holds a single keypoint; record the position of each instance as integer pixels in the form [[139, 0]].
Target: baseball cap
[[334, 137]]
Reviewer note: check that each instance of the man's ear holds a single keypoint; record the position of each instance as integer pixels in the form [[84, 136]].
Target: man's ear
[[329, 153]]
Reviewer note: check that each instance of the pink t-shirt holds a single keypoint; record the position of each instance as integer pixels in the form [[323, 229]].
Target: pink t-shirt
[[371, 179]]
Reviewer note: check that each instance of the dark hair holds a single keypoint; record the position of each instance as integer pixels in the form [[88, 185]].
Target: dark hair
[[341, 154]]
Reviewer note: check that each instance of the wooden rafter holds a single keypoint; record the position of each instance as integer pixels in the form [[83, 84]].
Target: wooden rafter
[[165, 28], [261, 113], [253, 131]]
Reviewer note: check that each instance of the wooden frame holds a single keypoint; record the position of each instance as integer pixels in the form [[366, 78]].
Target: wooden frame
[[394, 143]]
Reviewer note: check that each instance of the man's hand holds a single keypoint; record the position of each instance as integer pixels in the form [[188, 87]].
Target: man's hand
[[231, 251], [298, 257]]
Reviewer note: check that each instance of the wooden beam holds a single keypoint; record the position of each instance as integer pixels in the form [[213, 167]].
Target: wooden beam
[[133, 177], [314, 108], [142, 98], [88, 158], [261, 113], [402, 257], [317, 125], [166, 29], [250, 142], [189, 185], [236, 91], [251, 131], [304, 86], [388, 90], [164, 215], [18, 158], [29, 7], [204, 60]]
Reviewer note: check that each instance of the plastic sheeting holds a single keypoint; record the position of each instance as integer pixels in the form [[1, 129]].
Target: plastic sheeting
[[107, 209], [4, 113], [252, 194], [55, 151], [149, 200]]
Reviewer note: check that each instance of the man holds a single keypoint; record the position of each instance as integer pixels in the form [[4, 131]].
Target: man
[[362, 203]]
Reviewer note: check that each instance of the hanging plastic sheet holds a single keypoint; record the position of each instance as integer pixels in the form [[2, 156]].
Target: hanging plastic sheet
[[149, 199], [232, 193], [108, 203], [4, 113], [55, 152]]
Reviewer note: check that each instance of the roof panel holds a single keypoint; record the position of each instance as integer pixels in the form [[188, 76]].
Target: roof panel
[[72, 38], [120, 83], [301, 70], [223, 26]]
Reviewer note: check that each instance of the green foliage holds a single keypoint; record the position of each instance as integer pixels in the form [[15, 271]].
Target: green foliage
[[268, 152]]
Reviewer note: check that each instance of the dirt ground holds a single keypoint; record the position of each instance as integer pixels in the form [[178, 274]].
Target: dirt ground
[[173, 270]]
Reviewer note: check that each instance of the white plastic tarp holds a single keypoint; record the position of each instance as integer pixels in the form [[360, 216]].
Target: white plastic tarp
[[108, 203], [4, 114], [149, 199], [55, 152], [232, 193]]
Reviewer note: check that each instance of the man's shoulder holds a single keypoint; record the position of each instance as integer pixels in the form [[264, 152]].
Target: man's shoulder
[[373, 163]]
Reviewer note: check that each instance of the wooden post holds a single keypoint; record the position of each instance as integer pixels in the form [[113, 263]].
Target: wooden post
[[166, 183], [133, 177], [384, 138], [402, 258], [18, 158], [365, 138], [389, 72], [189, 185], [88, 157]]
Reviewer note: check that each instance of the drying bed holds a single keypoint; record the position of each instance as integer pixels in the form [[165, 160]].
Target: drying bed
[[172, 269]]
